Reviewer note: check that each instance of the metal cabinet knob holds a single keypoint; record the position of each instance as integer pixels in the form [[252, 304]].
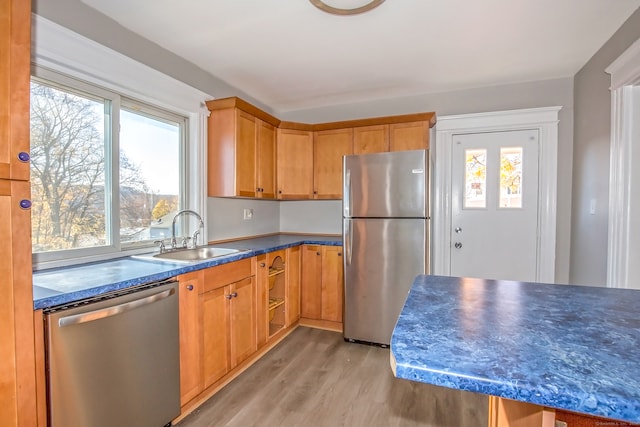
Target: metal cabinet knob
[[24, 156], [234, 295], [189, 287], [458, 245], [229, 296], [458, 229], [262, 264]]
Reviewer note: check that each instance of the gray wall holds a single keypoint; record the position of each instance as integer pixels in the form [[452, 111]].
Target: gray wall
[[225, 217], [592, 105]]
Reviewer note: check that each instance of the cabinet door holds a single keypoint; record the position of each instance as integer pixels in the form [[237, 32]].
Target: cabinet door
[[311, 283], [262, 301], [215, 333], [191, 384], [17, 353], [245, 154], [332, 283], [329, 148], [242, 320], [294, 164], [371, 139], [15, 63], [409, 136], [293, 285], [266, 155]]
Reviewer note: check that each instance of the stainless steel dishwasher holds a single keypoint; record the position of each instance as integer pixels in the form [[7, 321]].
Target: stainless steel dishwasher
[[115, 361]]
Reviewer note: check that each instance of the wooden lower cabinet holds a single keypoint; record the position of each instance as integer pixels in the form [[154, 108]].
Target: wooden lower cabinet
[[293, 270], [191, 378], [217, 324], [322, 285], [277, 292], [225, 320], [228, 328], [511, 413]]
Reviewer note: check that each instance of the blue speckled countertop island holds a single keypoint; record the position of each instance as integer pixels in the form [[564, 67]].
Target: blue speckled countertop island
[[569, 347], [66, 285]]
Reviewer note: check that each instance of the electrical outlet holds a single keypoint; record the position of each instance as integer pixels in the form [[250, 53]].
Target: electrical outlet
[[560, 424], [248, 214]]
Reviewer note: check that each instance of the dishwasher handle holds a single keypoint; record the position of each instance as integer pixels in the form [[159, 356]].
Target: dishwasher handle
[[90, 316]]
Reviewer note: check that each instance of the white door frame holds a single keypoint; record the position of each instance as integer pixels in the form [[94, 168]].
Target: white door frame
[[624, 245], [545, 120]]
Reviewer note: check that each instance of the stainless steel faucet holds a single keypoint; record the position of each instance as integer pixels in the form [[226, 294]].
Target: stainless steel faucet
[[195, 234]]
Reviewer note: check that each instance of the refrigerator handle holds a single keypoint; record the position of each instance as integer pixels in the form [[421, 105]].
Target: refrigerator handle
[[347, 194], [348, 236]]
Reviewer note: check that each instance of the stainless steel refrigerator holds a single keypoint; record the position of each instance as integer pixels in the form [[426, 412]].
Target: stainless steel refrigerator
[[386, 238]]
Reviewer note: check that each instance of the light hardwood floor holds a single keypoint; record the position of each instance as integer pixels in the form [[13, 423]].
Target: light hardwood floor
[[313, 378]]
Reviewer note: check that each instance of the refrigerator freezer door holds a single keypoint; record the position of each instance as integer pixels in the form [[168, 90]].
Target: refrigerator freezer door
[[382, 259], [386, 185]]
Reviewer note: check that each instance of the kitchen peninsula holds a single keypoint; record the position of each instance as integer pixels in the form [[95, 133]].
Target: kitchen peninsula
[[565, 347]]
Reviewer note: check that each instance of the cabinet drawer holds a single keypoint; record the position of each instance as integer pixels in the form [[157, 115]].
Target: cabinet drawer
[[217, 277]]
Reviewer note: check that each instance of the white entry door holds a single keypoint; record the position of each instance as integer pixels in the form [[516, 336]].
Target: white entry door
[[494, 216]]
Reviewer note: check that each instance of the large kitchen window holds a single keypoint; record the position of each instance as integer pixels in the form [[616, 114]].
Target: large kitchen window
[[107, 172]]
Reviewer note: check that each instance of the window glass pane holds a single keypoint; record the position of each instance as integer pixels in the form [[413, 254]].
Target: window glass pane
[[475, 179], [67, 169], [149, 176], [511, 177]]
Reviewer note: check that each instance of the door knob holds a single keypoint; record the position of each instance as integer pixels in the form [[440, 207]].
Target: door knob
[[458, 245]]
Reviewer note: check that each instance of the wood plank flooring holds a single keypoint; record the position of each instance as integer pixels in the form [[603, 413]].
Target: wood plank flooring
[[313, 378]]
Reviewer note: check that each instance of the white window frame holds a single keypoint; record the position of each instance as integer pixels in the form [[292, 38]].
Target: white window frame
[[61, 50]]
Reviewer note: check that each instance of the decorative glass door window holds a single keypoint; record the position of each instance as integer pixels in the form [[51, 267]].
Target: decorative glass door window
[[475, 178], [511, 177]]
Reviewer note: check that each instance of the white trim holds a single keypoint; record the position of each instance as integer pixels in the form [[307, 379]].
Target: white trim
[[625, 70], [545, 120], [64, 51], [625, 112]]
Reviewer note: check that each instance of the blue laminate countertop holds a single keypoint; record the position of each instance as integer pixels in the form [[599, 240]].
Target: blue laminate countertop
[[66, 285], [569, 347]]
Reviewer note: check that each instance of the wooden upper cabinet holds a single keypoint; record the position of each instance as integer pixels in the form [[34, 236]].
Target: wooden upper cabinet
[[266, 160], [241, 150], [371, 139], [294, 164], [253, 154], [409, 136], [246, 142], [15, 62], [329, 148]]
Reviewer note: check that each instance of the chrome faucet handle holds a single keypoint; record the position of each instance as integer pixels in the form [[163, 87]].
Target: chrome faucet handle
[[185, 241], [161, 244], [194, 239]]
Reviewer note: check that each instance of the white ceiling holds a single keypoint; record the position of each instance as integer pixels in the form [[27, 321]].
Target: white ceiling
[[290, 55]]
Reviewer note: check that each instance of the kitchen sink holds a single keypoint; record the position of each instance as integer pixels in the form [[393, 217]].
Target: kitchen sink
[[192, 255]]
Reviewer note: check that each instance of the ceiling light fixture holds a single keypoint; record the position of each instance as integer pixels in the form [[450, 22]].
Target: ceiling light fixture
[[346, 7]]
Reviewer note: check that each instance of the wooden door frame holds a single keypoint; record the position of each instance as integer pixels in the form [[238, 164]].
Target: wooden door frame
[[622, 268], [545, 120]]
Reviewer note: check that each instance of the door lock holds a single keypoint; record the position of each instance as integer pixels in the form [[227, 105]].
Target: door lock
[[458, 245]]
